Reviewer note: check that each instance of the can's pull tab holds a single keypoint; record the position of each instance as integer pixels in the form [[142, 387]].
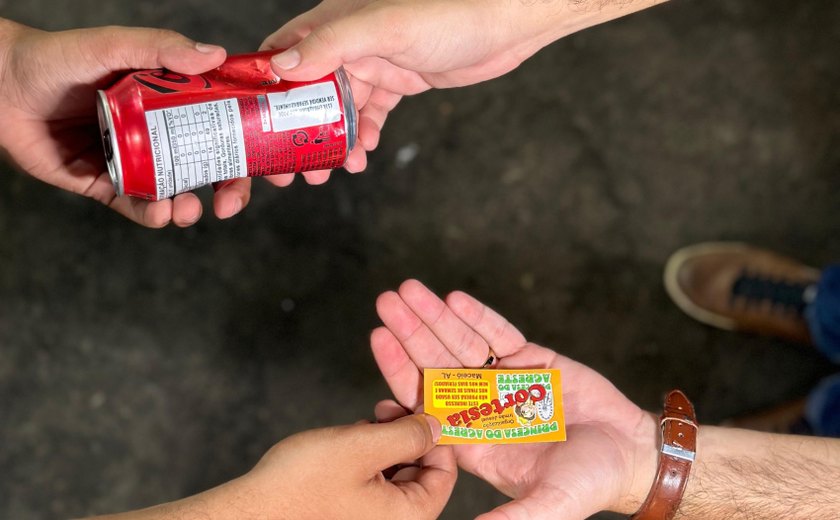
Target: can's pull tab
[[106, 144]]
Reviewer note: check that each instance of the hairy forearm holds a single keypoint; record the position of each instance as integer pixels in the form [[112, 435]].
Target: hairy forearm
[[740, 475]]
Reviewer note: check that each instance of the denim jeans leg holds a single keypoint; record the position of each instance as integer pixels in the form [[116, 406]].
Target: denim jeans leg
[[823, 314], [822, 410]]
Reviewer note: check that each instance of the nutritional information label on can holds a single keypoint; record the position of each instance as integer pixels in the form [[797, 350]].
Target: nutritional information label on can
[[195, 145]]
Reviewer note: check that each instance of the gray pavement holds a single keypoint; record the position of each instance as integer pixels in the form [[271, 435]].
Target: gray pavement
[[138, 366]]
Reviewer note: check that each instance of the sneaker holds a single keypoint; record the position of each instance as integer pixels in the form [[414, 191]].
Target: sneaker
[[734, 286]]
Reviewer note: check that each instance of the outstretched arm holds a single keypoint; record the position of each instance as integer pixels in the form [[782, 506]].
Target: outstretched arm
[[609, 459], [332, 473], [393, 48], [741, 475]]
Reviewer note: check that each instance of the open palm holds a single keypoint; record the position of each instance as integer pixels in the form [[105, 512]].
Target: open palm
[[609, 458]]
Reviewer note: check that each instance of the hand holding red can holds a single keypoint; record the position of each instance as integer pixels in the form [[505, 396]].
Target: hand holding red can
[[166, 133]]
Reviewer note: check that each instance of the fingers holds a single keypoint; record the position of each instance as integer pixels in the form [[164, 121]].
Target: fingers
[[372, 448], [389, 410], [183, 211], [399, 370], [531, 355], [427, 485], [149, 214], [312, 178], [383, 74], [500, 335], [373, 115], [317, 177], [416, 338], [438, 458], [367, 32], [121, 48], [281, 180], [231, 197], [465, 345], [356, 160], [424, 330], [432, 335], [430, 482], [186, 210], [369, 132]]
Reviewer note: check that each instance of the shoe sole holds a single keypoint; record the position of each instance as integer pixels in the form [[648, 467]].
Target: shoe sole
[[672, 286]]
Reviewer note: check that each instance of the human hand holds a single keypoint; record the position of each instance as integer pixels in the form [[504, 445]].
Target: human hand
[[48, 83], [333, 473], [610, 457], [394, 48], [345, 465]]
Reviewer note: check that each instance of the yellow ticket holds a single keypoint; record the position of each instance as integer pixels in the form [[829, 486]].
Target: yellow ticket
[[484, 406]]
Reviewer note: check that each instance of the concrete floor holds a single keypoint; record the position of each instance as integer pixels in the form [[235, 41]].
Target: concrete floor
[[138, 366]]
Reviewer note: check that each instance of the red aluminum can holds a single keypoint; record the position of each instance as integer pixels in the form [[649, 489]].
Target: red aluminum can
[[166, 133]]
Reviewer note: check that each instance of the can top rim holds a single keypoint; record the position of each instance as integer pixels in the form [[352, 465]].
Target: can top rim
[[350, 117], [109, 142]]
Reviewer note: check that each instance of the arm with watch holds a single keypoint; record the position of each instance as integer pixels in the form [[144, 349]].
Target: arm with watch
[[617, 456]]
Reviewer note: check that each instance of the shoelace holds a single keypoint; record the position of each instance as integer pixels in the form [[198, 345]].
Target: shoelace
[[785, 295]]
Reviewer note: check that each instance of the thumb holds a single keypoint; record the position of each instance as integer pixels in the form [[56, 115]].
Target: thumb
[[379, 446], [125, 48], [366, 33], [513, 510], [533, 508]]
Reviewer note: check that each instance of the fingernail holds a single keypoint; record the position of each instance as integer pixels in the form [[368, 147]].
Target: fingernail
[[286, 60], [434, 424], [206, 48]]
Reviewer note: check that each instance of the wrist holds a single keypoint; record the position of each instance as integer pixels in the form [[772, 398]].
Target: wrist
[[10, 33], [641, 465], [583, 14], [233, 500]]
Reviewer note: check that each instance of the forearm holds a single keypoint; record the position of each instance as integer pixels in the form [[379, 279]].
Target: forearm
[[549, 20], [741, 474], [234, 500]]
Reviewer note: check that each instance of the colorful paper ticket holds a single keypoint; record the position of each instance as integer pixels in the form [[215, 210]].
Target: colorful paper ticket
[[484, 406]]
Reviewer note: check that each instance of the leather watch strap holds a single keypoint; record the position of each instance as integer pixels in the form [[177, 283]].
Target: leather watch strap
[[679, 444]]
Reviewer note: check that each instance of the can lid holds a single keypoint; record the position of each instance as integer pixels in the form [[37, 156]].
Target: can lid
[[109, 142], [351, 123]]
